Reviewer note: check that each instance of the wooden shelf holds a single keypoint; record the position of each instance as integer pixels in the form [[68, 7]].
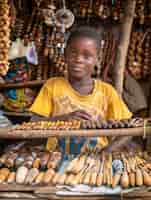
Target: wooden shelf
[[17, 192], [17, 114], [27, 188], [23, 84], [10, 133]]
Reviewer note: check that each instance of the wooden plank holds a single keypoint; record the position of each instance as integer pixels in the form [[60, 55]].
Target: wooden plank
[[101, 198], [28, 196], [25, 188], [17, 114], [24, 195], [22, 134], [67, 198], [23, 199], [122, 49], [23, 84], [54, 197], [96, 198], [17, 195], [49, 191]]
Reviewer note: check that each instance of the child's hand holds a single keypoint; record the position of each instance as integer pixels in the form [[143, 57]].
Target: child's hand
[[80, 114], [76, 115]]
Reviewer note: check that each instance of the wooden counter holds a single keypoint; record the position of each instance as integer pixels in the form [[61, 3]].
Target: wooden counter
[[22, 192]]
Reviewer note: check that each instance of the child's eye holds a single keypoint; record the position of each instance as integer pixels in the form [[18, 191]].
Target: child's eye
[[88, 56], [73, 52]]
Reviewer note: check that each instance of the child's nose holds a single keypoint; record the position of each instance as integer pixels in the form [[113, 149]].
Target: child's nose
[[79, 58]]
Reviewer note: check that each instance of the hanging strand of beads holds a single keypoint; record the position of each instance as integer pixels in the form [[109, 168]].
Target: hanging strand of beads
[[4, 36]]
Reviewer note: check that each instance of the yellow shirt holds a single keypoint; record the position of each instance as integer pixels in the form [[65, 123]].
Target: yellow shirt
[[57, 97]]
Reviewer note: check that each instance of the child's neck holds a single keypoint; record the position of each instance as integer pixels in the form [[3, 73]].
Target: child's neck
[[84, 86]]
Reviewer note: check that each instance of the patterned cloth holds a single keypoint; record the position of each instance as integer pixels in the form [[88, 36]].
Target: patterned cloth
[[19, 71], [19, 100]]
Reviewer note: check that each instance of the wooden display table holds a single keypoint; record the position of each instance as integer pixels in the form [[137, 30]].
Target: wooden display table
[[22, 192]]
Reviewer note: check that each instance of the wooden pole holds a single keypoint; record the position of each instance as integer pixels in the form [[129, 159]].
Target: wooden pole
[[123, 45], [28, 134]]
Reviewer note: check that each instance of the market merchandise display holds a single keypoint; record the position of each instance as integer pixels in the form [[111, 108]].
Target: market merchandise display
[[77, 124], [4, 122], [143, 9], [24, 163], [19, 71], [18, 100], [112, 123], [39, 36], [100, 8], [49, 125], [48, 27], [138, 58], [4, 36], [125, 169], [139, 54]]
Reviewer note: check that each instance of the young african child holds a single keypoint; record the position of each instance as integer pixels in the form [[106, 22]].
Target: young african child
[[80, 96]]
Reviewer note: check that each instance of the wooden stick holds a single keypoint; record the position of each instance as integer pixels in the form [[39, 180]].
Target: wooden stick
[[17, 195], [23, 84], [17, 114], [123, 45], [9, 133], [19, 188]]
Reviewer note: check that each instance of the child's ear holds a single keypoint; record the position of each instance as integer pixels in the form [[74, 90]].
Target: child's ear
[[97, 61]]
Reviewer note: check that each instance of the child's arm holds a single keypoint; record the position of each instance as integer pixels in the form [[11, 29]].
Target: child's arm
[[118, 143], [77, 115]]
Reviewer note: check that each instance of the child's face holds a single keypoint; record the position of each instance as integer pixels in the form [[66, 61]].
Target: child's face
[[81, 57]]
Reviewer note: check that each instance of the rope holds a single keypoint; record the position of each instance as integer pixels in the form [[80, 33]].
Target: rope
[[144, 128], [64, 4]]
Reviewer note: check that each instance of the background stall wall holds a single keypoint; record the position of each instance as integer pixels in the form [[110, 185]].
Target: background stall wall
[[29, 29]]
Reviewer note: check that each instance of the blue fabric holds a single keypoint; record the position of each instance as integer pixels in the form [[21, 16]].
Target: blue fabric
[[76, 144], [18, 68], [11, 94]]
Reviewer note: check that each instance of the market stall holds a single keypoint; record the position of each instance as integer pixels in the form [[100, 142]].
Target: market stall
[[32, 42]]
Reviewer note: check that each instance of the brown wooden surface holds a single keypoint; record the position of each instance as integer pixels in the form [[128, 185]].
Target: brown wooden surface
[[12, 198], [23, 84], [17, 192], [17, 114], [75, 198], [25, 188], [24, 196], [122, 49], [17, 195], [20, 134]]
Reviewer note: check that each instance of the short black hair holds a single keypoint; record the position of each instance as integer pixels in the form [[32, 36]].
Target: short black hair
[[87, 32]]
